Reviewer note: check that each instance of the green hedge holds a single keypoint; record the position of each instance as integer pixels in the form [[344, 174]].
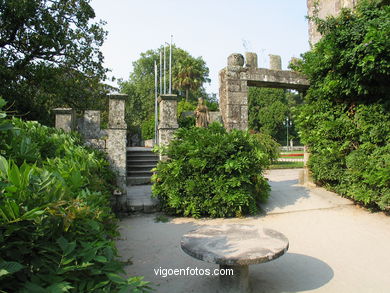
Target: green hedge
[[56, 225], [346, 117], [211, 172]]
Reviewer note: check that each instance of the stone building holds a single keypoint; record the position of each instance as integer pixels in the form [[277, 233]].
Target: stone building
[[325, 8]]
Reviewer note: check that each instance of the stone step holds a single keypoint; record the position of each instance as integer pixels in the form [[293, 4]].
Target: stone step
[[138, 149], [139, 199], [143, 162], [138, 180], [139, 173], [145, 167], [132, 157], [140, 161]]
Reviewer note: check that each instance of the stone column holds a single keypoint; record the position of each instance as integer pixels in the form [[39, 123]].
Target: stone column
[[167, 118], [275, 62], [65, 119], [233, 91], [116, 141]]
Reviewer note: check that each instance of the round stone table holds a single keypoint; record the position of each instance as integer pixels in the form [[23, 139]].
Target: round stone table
[[234, 246]]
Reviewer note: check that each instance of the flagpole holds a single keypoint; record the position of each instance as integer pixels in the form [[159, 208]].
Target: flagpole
[[155, 105]]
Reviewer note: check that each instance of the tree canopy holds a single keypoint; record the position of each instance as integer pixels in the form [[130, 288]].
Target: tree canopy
[[268, 109], [188, 76], [50, 55]]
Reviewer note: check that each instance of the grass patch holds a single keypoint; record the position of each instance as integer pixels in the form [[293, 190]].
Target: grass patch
[[291, 157], [286, 165]]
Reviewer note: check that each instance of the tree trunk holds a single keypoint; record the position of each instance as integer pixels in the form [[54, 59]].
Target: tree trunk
[[187, 94]]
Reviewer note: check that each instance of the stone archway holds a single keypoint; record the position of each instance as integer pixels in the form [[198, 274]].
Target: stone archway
[[235, 78]]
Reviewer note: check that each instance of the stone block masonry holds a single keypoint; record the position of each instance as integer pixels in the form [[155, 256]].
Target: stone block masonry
[[167, 119], [116, 141]]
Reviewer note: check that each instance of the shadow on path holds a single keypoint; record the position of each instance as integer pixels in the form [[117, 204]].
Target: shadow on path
[[291, 273]]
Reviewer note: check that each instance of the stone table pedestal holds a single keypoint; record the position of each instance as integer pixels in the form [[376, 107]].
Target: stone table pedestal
[[234, 247]]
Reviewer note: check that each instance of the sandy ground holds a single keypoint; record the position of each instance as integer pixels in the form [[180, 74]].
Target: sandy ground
[[335, 246]]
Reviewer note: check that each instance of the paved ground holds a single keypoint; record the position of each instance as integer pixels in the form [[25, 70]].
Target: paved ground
[[139, 198], [334, 245]]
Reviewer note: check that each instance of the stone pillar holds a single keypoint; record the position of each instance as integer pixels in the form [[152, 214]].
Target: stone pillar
[[116, 141], [275, 62], [233, 91], [251, 60], [91, 124], [65, 119], [305, 177], [167, 118], [306, 155]]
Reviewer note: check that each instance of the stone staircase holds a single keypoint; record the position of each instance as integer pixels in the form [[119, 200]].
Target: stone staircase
[[140, 161]]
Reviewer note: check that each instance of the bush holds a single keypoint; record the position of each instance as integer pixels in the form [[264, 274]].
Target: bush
[[147, 128], [211, 172], [56, 225], [185, 121], [346, 119]]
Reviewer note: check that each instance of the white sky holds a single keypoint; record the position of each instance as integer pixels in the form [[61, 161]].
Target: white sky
[[212, 29]]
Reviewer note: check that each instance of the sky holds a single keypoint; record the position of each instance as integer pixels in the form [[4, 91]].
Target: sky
[[212, 29]]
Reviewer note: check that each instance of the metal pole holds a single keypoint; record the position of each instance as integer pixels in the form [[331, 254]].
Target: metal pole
[[165, 86], [161, 73], [287, 124], [170, 67], [287, 137], [155, 105]]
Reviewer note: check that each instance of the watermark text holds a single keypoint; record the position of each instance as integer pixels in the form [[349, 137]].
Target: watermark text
[[166, 272]]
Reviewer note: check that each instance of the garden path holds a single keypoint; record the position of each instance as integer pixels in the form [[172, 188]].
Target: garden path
[[335, 246]]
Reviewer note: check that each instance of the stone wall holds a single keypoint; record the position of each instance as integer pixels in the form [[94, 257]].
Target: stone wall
[[111, 140], [325, 8]]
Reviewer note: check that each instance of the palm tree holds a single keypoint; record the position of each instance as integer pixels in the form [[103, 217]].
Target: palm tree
[[190, 75]]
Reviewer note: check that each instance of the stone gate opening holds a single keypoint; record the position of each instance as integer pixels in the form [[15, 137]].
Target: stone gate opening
[[239, 74]]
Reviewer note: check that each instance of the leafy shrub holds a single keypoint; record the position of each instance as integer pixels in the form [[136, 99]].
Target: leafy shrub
[[346, 119], [211, 172], [56, 225], [186, 122], [147, 128]]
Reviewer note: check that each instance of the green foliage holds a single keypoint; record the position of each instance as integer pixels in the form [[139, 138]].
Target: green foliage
[[140, 86], [190, 75], [186, 121], [346, 120], [50, 56], [211, 172], [268, 109], [56, 225], [147, 128]]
